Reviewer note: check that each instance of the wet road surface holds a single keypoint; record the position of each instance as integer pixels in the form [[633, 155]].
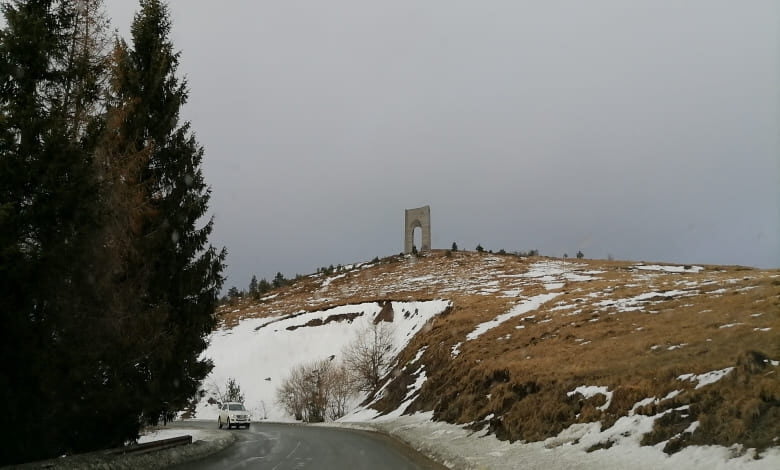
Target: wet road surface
[[294, 446]]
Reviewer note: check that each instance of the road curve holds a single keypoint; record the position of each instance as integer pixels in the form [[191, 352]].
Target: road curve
[[294, 446]]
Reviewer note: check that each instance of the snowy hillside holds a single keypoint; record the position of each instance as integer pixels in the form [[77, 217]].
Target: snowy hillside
[[599, 358], [259, 353]]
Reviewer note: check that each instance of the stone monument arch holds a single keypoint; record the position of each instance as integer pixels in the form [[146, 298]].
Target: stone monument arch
[[419, 217]]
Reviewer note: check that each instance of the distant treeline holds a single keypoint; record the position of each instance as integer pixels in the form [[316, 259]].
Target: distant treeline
[[257, 289]]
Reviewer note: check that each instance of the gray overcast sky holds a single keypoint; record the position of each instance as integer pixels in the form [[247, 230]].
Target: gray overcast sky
[[643, 129]]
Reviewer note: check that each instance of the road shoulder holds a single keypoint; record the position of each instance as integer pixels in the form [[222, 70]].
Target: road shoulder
[[208, 443]]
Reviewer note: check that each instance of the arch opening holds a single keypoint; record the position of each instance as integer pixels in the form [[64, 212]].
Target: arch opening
[[417, 237]]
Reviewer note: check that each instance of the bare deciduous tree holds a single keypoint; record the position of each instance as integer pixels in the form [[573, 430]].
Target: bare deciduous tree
[[292, 393], [340, 389], [316, 390], [369, 354]]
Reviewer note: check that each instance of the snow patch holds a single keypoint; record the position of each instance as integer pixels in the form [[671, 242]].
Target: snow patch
[[160, 434], [524, 307], [588, 391], [669, 269], [456, 349], [653, 400], [707, 378], [631, 304], [418, 355], [327, 281]]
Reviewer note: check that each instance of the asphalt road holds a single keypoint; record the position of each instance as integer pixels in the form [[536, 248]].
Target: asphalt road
[[293, 446]]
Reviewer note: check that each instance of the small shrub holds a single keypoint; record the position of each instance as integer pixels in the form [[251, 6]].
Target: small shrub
[[454, 246], [580, 255], [479, 248]]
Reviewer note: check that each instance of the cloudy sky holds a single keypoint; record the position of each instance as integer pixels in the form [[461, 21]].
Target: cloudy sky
[[645, 130]]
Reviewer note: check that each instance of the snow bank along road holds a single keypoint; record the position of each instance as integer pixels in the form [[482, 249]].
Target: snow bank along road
[[294, 446]]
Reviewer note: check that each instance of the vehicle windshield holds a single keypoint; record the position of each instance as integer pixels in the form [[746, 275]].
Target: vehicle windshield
[[236, 407]]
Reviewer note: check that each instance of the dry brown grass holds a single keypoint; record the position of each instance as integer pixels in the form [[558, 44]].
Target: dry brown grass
[[521, 371]]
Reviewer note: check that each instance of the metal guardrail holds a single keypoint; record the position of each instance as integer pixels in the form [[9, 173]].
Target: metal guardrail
[[155, 445]]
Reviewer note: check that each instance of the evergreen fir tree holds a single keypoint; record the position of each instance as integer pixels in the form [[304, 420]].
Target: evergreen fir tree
[[185, 272], [55, 325], [233, 293], [263, 286], [107, 287], [279, 280]]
